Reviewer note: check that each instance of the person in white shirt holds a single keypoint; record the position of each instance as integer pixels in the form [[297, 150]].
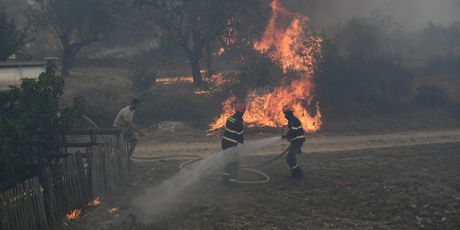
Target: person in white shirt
[[124, 121]]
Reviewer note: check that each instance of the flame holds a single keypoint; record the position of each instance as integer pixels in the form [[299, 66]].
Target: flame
[[95, 202], [202, 92], [74, 214], [113, 210], [174, 80], [286, 41], [221, 51]]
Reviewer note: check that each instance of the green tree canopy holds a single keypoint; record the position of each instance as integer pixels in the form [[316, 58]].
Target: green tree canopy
[[11, 39], [194, 24], [31, 125], [76, 23]]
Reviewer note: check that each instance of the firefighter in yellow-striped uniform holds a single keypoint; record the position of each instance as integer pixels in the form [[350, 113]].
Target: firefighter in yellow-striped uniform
[[233, 135], [296, 136]]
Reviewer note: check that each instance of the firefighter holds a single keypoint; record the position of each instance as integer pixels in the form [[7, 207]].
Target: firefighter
[[233, 135], [295, 135]]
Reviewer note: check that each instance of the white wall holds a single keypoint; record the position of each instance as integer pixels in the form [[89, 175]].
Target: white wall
[[13, 75]]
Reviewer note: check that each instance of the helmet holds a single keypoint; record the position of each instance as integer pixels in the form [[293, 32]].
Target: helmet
[[240, 107], [287, 108]]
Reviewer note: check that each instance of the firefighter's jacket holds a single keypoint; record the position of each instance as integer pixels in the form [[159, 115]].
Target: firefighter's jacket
[[295, 132], [233, 131]]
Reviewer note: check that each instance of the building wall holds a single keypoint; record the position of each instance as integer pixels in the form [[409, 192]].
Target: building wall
[[12, 75]]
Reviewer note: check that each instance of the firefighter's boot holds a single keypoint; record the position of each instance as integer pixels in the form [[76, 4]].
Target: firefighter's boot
[[297, 173]]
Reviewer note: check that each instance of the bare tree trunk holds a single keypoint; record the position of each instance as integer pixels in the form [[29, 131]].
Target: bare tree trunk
[[196, 69], [69, 55], [209, 63]]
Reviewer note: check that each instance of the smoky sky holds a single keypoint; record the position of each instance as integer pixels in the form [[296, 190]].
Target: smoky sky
[[412, 14]]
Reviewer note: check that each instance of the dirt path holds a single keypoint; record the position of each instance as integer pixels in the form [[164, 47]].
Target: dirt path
[[315, 144]]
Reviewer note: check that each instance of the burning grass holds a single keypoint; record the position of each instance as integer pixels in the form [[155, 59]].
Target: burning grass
[[95, 202], [286, 41], [74, 214]]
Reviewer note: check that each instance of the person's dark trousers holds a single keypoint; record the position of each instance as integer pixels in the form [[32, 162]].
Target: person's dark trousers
[[294, 149], [232, 163]]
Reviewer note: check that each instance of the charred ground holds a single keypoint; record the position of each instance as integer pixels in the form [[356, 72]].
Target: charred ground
[[393, 188]]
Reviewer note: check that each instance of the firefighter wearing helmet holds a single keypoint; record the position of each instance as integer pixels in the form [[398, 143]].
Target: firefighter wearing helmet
[[295, 135], [233, 135]]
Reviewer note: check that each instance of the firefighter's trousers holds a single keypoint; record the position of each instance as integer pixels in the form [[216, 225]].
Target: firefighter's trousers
[[294, 149], [232, 163]]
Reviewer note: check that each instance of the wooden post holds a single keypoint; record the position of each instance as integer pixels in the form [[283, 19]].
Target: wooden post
[[49, 198]]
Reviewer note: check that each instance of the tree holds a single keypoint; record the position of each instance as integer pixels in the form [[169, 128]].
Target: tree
[[11, 39], [194, 24], [31, 125], [76, 23]]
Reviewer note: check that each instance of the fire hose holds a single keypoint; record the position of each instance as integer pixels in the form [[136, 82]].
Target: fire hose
[[90, 121], [246, 168], [195, 159], [163, 158]]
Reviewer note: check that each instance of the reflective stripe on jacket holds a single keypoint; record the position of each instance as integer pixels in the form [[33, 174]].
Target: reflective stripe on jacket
[[295, 132], [233, 131]]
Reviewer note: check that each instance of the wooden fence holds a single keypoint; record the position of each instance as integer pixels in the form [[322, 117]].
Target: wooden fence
[[68, 184], [109, 164]]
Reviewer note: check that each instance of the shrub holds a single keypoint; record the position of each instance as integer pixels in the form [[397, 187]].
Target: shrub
[[359, 86], [431, 96], [142, 78], [31, 125]]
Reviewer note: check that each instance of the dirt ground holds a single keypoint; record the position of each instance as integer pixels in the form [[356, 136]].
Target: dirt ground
[[405, 180]]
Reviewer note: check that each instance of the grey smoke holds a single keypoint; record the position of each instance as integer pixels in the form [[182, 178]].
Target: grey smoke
[[169, 194], [413, 14]]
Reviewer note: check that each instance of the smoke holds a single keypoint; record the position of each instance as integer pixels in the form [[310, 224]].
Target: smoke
[[170, 193], [413, 14], [124, 51]]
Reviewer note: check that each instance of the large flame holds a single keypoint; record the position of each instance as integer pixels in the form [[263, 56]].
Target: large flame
[[286, 41]]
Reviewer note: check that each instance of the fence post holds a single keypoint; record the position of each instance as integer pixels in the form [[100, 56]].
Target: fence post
[[49, 197]]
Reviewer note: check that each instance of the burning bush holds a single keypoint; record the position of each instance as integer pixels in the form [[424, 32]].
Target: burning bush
[[262, 72], [286, 41]]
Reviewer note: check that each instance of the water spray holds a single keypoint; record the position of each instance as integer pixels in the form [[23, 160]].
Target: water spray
[[168, 194], [246, 168]]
